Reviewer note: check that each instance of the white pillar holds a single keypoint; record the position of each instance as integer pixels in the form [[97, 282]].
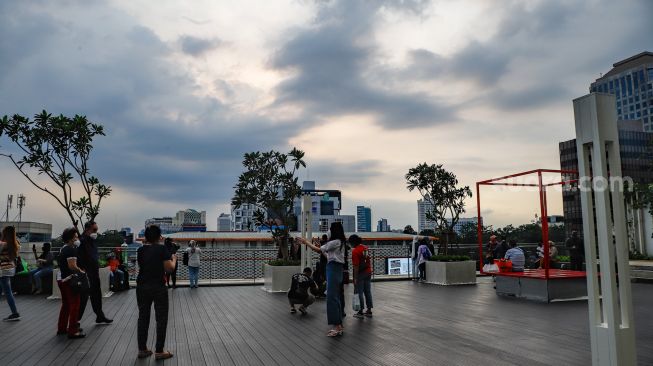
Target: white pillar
[[307, 229], [610, 302]]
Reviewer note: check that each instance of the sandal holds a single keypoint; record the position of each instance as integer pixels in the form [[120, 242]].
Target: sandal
[[334, 333], [163, 355], [144, 354]]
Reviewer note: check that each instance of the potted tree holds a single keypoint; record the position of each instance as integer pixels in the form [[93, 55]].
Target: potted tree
[[440, 188], [270, 183]]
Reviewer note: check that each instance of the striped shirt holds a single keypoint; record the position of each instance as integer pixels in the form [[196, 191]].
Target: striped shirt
[[516, 256]]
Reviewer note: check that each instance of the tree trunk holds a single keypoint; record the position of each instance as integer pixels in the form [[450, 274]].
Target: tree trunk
[[283, 248]]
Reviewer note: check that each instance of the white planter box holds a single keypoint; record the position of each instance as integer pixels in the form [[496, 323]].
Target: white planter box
[[451, 273], [278, 278]]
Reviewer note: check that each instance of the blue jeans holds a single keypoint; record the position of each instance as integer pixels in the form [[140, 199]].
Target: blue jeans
[[5, 282], [37, 275], [117, 277], [334, 280], [193, 275], [364, 290]]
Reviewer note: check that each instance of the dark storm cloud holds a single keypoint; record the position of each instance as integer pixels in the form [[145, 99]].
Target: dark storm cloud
[[162, 141], [330, 60], [195, 46]]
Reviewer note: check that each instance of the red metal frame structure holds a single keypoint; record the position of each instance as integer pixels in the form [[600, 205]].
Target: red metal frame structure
[[501, 181]]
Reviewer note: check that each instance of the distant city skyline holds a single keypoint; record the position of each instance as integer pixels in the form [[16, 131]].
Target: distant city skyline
[[367, 89]]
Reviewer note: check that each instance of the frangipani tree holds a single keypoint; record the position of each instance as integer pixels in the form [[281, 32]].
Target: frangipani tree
[[57, 150]]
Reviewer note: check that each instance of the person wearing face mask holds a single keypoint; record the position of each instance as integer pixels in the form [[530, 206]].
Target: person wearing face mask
[[334, 250], [70, 300], [88, 261]]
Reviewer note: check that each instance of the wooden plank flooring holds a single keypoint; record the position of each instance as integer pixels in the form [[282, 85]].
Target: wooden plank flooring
[[414, 324]]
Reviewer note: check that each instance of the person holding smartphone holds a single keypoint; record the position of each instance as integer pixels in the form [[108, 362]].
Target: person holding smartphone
[[334, 250]]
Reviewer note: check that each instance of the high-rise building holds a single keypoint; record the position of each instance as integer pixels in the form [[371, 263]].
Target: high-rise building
[[363, 219], [190, 220], [382, 225], [242, 218], [424, 206], [165, 224], [631, 82], [636, 163], [224, 222], [325, 207]]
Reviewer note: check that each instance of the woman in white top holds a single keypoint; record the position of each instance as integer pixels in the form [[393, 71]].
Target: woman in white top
[[334, 250], [193, 263]]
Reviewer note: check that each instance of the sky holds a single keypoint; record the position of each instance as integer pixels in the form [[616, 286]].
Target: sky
[[368, 89]]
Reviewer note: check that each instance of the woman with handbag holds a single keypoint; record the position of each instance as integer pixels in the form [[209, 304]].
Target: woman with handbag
[[9, 248], [154, 261], [71, 282], [335, 252]]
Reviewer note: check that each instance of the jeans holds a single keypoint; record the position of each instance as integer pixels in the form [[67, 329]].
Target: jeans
[[422, 271], [37, 275], [193, 275], [334, 282], [5, 282], [145, 296], [69, 313], [364, 290]]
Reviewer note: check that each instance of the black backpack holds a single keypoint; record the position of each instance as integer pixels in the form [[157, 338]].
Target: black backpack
[[184, 259], [364, 264]]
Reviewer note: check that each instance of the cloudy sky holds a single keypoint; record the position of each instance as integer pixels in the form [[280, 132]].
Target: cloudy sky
[[367, 88]]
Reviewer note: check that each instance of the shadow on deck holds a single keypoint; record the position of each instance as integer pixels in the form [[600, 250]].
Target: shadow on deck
[[414, 324]]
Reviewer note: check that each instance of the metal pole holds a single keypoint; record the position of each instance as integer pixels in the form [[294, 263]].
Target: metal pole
[[479, 227], [307, 229]]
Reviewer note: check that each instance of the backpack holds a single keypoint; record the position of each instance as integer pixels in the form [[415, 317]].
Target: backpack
[[365, 262], [184, 259]]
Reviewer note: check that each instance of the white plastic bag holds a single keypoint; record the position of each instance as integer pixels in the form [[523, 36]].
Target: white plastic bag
[[356, 303], [490, 268]]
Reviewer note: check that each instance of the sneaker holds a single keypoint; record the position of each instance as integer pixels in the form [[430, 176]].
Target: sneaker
[[302, 310], [368, 313], [359, 315], [12, 318]]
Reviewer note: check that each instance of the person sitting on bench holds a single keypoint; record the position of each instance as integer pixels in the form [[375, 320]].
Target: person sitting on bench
[[516, 255]]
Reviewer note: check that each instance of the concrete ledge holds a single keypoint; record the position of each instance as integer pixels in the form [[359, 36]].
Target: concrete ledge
[[542, 290], [278, 278], [451, 273]]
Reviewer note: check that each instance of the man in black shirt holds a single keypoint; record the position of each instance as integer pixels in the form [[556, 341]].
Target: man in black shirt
[[299, 291], [88, 261], [576, 251]]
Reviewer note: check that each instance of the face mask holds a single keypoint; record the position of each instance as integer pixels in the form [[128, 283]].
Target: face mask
[[76, 243], [93, 236]]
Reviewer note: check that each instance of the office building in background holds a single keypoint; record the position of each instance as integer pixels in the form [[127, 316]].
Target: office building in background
[[363, 219]]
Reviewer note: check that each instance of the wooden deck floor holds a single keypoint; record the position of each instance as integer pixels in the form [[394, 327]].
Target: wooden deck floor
[[414, 324]]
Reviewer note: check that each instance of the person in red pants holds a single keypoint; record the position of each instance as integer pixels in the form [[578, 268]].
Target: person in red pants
[[70, 301]]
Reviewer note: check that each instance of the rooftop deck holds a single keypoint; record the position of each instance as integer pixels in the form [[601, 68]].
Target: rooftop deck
[[414, 324]]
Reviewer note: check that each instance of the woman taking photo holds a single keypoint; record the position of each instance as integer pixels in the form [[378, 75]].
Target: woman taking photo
[[334, 250], [154, 261], [9, 248], [69, 313]]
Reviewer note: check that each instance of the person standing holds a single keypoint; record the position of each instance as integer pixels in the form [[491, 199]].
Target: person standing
[[423, 255], [362, 266], [154, 261], [9, 248], [70, 300], [172, 248], [193, 263], [88, 261], [335, 252], [576, 249], [45, 265]]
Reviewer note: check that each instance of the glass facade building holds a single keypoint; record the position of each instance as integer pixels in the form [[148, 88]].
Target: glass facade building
[[363, 219], [631, 82]]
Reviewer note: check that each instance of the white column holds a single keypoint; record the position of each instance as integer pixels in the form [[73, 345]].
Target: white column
[[609, 298], [307, 229]]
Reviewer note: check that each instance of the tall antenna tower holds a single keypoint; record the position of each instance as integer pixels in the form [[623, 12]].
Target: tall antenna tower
[[21, 204], [10, 199]]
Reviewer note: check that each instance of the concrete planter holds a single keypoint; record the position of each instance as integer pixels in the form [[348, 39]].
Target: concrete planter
[[278, 278], [451, 273]]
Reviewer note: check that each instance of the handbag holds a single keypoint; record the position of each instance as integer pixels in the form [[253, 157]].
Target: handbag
[[78, 283], [356, 303]]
